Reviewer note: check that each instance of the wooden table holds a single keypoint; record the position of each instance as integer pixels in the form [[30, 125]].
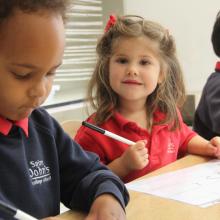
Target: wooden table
[[148, 207]]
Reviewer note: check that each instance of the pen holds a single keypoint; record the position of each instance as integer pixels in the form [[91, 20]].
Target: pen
[[16, 213], [108, 133]]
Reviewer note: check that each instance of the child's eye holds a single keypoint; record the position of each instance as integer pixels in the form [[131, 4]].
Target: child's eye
[[51, 74], [21, 76], [122, 60], [144, 62]]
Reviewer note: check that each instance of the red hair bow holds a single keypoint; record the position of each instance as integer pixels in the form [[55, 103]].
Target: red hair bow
[[110, 23]]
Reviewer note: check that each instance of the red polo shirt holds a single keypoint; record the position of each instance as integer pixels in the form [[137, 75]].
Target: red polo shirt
[[164, 146], [217, 66], [6, 125]]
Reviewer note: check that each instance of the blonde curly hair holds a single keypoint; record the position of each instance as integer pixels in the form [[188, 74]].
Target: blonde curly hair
[[168, 95]]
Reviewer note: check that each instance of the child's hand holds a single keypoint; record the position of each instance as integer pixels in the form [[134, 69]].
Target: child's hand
[[106, 207], [136, 156], [215, 145]]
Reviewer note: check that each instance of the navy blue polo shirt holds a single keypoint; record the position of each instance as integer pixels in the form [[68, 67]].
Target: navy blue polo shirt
[[41, 166]]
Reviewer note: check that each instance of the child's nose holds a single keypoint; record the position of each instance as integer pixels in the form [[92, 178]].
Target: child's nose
[[132, 70], [38, 89]]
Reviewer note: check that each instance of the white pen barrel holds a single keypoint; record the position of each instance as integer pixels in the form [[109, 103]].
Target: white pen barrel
[[23, 216], [119, 138]]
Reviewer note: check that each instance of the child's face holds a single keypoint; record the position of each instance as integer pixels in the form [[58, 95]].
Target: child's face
[[134, 70], [31, 49]]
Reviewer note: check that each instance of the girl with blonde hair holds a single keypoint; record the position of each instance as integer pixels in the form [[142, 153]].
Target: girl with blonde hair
[[136, 90]]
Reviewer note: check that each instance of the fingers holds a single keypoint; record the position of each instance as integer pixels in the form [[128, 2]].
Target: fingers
[[144, 162], [140, 145], [141, 149], [136, 156], [215, 146], [216, 151], [215, 140], [140, 154]]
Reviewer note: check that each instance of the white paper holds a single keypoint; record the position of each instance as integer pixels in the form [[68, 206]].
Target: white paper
[[196, 185]]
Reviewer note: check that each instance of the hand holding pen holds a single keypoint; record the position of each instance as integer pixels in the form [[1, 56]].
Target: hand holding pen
[[135, 157]]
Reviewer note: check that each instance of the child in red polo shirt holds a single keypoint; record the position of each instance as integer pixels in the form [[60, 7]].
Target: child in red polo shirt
[[136, 89], [40, 165]]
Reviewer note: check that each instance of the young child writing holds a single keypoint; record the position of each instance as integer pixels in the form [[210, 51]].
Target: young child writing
[[40, 166], [136, 89]]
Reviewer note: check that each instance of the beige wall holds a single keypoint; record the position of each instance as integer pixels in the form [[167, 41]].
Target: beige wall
[[190, 22]]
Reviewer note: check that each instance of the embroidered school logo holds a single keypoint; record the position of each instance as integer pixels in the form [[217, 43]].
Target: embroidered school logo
[[39, 172], [171, 148]]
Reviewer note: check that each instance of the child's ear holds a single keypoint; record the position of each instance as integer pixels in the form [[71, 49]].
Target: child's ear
[[160, 78], [163, 70]]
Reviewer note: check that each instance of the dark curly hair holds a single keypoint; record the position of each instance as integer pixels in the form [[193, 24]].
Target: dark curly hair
[[7, 7], [216, 35]]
